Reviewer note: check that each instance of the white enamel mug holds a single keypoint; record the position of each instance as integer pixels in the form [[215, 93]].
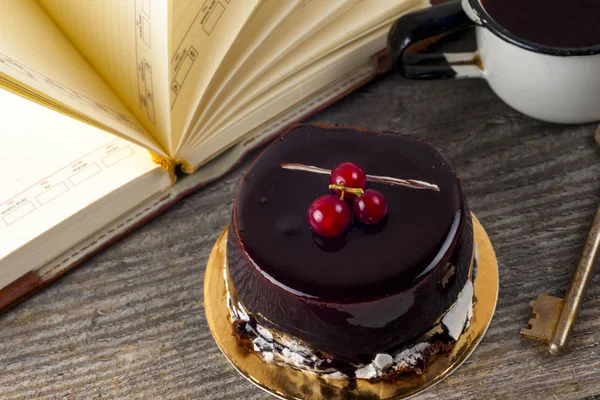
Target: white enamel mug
[[548, 83]]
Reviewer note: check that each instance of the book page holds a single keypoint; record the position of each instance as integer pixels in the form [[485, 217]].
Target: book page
[[36, 59], [299, 25], [53, 167], [126, 41], [339, 66], [202, 33], [358, 21], [267, 16]]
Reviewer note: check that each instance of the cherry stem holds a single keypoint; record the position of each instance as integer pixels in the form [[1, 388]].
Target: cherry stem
[[412, 183], [355, 191]]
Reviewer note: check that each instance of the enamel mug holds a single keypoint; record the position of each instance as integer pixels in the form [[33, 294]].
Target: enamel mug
[[548, 83]]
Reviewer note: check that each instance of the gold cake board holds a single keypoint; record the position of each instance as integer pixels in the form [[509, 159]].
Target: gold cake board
[[288, 383]]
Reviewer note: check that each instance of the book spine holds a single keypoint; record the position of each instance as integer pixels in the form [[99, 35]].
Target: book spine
[[168, 164], [23, 287]]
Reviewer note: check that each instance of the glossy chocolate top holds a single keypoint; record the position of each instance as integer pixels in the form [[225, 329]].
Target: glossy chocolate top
[[271, 205]]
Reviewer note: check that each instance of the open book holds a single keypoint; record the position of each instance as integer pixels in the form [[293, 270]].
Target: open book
[[101, 100]]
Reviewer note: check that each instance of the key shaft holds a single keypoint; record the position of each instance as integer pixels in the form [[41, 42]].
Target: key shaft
[[577, 288]]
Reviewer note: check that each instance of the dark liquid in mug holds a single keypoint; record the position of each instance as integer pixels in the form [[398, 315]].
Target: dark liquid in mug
[[556, 23]]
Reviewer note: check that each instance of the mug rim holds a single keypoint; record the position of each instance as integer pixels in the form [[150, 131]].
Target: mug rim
[[486, 20]]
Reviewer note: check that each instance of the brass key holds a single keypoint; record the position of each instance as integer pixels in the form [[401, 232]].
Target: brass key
[[553, 318]]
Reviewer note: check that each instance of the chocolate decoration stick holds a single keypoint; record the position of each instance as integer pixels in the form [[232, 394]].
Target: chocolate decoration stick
[[413, 183]]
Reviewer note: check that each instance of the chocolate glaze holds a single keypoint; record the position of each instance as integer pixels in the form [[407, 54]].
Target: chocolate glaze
[[381, 287]]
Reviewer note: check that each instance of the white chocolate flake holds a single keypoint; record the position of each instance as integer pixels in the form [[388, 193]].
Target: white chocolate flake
[[262, 344], [336, 375], [383, 361], [295, 346], [298, 358], [242, 313], [410, 357], [366, 372], [469, 317], [456, 318], [265, 333]]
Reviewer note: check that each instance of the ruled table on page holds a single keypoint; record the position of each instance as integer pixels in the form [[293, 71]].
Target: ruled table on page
[[53, 167], [35, 54], [202, 30], [126, 42]]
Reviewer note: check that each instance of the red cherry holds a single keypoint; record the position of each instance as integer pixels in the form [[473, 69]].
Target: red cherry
[[349, 175], [329, 216], [371, 207]]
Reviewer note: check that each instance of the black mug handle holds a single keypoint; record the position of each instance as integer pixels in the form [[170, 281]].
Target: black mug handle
[[419, 26]]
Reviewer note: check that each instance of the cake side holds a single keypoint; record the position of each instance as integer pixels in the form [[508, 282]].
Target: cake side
[[355, 331], [280, 348]]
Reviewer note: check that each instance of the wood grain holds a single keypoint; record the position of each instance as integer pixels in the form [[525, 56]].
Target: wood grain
[[130, 322]]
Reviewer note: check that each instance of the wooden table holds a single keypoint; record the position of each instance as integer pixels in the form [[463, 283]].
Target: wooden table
[[130, 322]]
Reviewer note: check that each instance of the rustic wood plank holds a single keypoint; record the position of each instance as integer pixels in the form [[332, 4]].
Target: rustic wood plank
[[130, 322]]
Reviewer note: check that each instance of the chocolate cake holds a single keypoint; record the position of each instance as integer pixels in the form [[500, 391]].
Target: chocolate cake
[[377, 299]]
